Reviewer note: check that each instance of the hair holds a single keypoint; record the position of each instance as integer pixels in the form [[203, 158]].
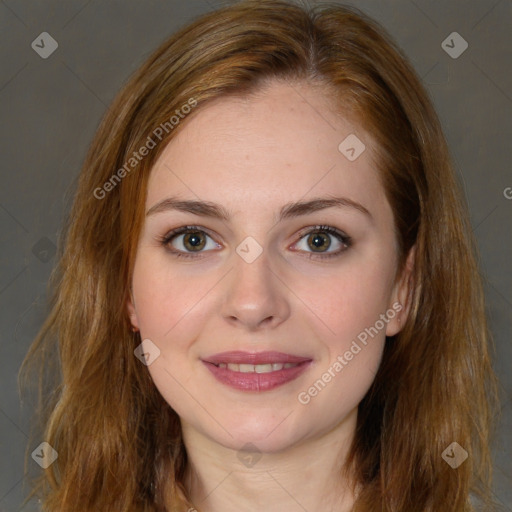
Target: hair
[[119, 443]]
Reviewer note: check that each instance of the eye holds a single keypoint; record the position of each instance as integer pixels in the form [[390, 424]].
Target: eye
[[319, 240], [186, 240]]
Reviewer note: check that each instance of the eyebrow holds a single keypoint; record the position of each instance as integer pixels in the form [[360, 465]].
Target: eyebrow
[[290, 210]]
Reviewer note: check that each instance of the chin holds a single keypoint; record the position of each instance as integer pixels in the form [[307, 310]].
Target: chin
[[269, 433]]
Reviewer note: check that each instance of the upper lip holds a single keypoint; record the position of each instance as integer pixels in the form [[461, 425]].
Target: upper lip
[[240, 357]]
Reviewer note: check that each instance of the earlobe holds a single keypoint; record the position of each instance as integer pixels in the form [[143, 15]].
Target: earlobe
[[401, 296]]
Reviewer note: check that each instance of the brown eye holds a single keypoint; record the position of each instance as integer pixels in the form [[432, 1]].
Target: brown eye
[[319, 242], [185, 241], [323, 242], [194, 241]]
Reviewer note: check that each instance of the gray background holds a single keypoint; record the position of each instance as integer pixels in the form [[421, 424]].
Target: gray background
[[50, 109]]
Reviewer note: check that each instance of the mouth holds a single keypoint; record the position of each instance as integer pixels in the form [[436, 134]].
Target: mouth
[[256, 368], [261, 371]]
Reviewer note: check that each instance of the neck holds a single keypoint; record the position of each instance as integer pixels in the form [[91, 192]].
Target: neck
[[305, 476]]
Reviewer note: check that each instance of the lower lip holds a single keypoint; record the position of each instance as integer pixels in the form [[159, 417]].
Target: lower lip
[[257, 381]]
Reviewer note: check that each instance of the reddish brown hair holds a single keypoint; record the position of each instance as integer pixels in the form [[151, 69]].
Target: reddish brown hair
[[119, 442]]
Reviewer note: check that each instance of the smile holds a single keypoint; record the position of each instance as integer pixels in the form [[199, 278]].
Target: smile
[[256, 368], [262, 371]]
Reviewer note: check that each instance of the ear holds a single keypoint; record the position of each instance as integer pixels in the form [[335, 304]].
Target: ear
[[132, 313], [401, 296]]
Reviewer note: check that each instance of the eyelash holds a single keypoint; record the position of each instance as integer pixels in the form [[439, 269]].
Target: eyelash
[[344, 239]]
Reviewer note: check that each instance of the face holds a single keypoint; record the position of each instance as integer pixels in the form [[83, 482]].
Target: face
[[296, 298]]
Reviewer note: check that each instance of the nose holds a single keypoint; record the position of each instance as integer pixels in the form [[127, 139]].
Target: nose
[[256, 297]]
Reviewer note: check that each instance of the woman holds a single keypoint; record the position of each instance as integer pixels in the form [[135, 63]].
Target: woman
[[267, 297]]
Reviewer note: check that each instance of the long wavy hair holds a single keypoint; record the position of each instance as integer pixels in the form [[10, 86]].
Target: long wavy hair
[[119, 443]]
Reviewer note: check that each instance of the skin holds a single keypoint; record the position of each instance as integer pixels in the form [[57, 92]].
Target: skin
[[253, 155]]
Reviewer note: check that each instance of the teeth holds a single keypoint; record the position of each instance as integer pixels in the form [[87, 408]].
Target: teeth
[[262, 368], [256, 368]]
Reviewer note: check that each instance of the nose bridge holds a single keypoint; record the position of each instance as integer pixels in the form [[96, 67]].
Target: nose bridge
[[254, 292], [252, 276]]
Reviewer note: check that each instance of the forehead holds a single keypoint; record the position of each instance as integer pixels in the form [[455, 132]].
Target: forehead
[[279, 145]]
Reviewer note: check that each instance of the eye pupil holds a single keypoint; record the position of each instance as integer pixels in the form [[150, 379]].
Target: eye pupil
[[194, 240], [319, 241]]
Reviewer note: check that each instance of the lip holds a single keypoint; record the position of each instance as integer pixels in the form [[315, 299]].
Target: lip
[[240, 357], [256, 381]]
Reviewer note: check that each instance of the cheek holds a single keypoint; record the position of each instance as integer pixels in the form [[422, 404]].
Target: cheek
[[347, 301], [346, 314], [167, 299]]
